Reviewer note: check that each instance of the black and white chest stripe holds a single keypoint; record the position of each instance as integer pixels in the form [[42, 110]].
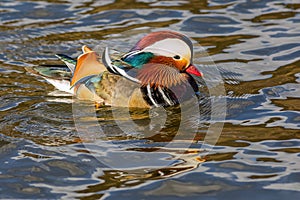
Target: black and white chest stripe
[[159, 96]]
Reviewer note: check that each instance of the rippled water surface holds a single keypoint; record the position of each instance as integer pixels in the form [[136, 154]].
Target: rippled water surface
[[52, 146]]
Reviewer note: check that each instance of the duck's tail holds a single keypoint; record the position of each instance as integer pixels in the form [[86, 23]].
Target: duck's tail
[[58, 75]]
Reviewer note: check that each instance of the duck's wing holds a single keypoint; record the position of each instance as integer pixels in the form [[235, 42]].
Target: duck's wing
[[87, 64]]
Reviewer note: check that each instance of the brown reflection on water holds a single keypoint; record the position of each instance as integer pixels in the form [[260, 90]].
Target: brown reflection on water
[[130, 178], [266, 159], [293, 6], [287, 150], [283, 75], [270, 16], [220, 156], [47, 140], [254, 133], [73, 36], [288, 104], [262, 176], [10, 26], [220, 43], [194, 6]]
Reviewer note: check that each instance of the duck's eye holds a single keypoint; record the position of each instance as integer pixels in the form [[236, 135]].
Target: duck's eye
[[177, 57]]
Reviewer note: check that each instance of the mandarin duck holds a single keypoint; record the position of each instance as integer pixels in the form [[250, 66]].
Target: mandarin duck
[[157, 71]]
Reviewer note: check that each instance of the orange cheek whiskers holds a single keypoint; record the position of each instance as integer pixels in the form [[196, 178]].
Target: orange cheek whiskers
[[162, 60], [168, 61], [160, 75]]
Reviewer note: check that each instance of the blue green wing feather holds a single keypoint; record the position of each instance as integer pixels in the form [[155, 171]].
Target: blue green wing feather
[[57, 72]]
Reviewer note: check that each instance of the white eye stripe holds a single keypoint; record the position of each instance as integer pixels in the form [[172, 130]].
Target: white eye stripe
[[160, 51], [170, 47]]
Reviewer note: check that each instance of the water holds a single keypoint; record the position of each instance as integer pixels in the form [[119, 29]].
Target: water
[[48, 151]]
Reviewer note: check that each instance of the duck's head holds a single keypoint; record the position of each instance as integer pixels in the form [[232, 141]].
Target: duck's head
[[163, 58]]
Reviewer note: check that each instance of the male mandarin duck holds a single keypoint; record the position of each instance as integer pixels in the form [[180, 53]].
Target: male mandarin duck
[[157, 71]]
